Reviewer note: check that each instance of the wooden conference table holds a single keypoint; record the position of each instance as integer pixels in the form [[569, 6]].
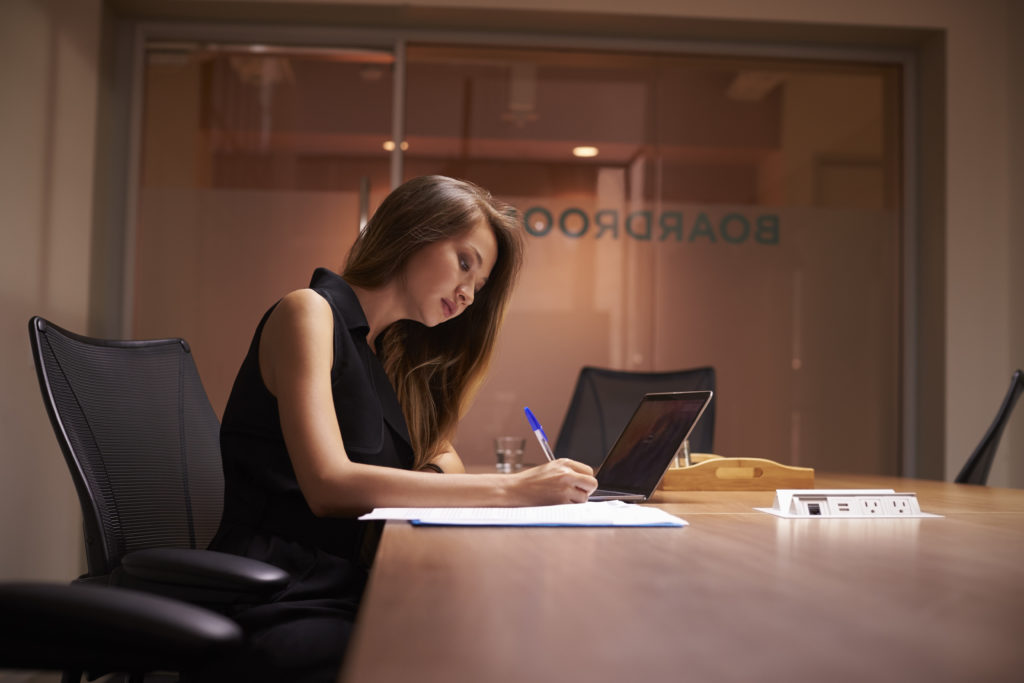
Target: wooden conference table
[[738, 595]]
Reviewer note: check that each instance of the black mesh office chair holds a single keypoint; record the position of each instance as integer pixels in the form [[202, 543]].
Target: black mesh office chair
[[976, 469], [604, 400], [142, 444], [95, 631]]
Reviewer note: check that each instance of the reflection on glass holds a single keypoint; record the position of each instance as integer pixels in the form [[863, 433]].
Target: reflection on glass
[[741, 213], [258, 163]]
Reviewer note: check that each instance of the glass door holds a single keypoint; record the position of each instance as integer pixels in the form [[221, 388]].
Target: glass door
[[258, 164], [682, 211]]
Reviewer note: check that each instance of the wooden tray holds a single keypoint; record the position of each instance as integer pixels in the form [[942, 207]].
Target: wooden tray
[[715, 473]]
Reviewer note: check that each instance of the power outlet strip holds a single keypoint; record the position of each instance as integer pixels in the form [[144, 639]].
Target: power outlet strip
[[875, 505], [854, 503]]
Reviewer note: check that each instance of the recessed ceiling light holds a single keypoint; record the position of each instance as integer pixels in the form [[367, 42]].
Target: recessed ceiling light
[[584, 151], [389, 145]]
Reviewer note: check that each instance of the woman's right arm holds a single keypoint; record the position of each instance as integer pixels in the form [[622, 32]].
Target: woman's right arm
[[296, 355]]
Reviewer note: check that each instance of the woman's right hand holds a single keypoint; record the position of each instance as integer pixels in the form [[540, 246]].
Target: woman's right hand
[[556, 482]]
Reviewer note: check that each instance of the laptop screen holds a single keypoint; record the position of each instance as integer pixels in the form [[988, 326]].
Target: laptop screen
[[651, 438]]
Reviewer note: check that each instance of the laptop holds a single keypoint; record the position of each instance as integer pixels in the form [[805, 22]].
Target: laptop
[[645, 448]]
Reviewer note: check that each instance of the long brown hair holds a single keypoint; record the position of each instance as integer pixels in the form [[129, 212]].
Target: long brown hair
[[436, 370]]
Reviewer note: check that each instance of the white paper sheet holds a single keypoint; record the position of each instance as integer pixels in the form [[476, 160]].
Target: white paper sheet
[[608, 513]]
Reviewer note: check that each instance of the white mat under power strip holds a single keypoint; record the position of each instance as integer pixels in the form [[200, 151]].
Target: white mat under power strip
[[849, 503]]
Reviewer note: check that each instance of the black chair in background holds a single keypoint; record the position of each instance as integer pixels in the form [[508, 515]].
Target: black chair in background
[[93, 631], [976, 469], [604, 400], [142, 444]]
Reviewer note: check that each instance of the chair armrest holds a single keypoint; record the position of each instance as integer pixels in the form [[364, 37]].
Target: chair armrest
[[55, 626], [203, 575]]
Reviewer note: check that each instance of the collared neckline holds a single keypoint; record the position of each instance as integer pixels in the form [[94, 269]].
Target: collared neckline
[[344, 297]]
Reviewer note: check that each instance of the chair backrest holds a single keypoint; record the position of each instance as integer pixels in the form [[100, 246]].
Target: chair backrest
[[976, 469], [139, 436], [605, 399]]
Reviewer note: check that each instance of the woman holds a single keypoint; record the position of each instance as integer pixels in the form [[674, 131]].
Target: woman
[[347, 400]]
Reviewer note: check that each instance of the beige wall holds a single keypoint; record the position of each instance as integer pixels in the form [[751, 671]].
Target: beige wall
[[1016, 226], [48, 98]]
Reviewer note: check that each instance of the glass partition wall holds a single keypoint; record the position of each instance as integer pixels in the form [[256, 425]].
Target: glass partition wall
[[679, 210], [257, 164]]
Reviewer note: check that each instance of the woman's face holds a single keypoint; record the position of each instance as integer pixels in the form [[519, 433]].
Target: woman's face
[[442, 279]]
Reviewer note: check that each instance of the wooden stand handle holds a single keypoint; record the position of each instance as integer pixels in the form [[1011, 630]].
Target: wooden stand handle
[[715, 473]]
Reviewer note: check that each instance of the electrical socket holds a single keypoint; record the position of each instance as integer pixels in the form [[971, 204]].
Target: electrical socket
[[899, 506], [870, 506]]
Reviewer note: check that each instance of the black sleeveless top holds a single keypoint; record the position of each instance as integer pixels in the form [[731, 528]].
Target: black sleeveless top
[[265, 515]]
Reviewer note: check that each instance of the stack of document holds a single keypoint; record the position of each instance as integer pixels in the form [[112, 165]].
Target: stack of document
[[609, 513]]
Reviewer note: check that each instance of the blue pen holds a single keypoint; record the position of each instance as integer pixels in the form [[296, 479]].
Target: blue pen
[[538, 431]]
